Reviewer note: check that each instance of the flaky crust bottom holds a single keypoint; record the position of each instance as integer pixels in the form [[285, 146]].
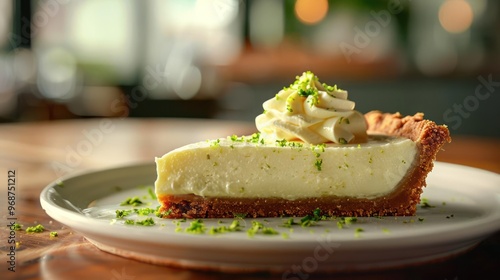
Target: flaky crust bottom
[[428, 136]]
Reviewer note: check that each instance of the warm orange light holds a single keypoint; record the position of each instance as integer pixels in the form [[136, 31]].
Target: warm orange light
[[311, 11], [456, 16]]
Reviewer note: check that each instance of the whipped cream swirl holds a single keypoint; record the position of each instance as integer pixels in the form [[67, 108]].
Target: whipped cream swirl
[[312, 112]]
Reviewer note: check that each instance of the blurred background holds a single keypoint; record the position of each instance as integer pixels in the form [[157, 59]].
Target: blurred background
[[220, 59]]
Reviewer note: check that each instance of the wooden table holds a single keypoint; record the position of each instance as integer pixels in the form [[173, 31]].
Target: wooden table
[[41, 152]]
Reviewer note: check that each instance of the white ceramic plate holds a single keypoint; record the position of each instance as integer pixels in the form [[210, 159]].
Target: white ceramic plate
[[466, 210]]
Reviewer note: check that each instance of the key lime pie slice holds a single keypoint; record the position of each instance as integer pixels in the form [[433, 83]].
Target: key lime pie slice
[[313, 150]]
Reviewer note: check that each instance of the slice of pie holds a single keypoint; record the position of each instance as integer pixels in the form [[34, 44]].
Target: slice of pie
[[313, 151]]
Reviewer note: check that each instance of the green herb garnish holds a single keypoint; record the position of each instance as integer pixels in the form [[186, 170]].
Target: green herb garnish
[[318, 164], [306, 221], [330, 88], [281, 143], [53, 234], [289, 108], [291, 144], [255, 138], [310, 220], [234, 226], [344, 221], [196, 227], [17, 227], [152, 193], [35, 229], [160, 214], [146, 222], [258, 227], [122, 213], [215, 143], [307, 92], [305, 85], [318, 149], [358, 231], [289, 223], [235, 138], [308, 85], [144, 211], [133, 201], [240, 215], [424, 203]]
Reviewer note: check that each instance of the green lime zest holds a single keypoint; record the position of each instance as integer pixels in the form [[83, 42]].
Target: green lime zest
[[196, 227], [35, 229], [133, 201], [260, 228], [17, 227], [234, 226]]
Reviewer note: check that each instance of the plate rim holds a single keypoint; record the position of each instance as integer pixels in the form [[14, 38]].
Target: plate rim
[[482, 227]]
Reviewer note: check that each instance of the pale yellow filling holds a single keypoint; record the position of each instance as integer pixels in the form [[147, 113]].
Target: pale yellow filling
[[227, 168]]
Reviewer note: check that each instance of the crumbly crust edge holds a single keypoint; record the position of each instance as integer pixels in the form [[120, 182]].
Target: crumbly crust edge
[[428, 136]]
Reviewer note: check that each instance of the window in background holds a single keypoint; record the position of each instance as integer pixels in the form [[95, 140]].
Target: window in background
[[7, 94], [102, 36], [185, 41], [5, 22], [85, 51]]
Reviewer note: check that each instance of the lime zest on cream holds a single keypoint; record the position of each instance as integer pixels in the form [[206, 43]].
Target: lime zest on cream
[[311, 112]]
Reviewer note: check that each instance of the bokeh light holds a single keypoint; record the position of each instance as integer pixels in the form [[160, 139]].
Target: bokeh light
[[57, 74], [456, 16], [311, 11]]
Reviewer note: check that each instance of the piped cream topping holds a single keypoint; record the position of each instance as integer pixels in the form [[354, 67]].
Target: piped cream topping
[[312, 112]]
